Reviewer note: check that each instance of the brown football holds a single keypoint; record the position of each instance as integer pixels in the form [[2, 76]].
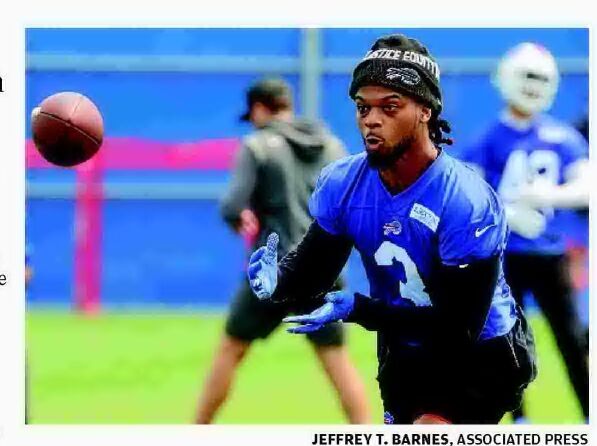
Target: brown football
[[67, 128]]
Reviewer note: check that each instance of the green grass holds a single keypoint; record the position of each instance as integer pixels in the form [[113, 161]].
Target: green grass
[[148, 368]]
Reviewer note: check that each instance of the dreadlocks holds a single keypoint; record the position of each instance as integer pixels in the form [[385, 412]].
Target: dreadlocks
[[437, 128]]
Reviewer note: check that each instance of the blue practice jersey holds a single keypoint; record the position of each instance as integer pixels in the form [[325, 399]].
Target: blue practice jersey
[[448, 215], [511, 157]]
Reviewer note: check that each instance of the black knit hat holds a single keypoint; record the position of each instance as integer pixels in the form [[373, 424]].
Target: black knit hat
[[403, 64]]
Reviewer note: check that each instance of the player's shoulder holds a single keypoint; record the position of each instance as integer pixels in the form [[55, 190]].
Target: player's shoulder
[[334, 188], [344, 170], [467, 195], [552, 130], [472, 224], [338, 180]]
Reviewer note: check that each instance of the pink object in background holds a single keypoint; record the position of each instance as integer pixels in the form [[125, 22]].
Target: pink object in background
[[135, 153], [88, 236]]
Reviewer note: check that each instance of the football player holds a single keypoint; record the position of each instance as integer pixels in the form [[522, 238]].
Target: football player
[[453, 345]]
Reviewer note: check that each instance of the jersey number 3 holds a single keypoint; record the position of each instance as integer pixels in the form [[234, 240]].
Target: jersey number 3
[[413, 287]]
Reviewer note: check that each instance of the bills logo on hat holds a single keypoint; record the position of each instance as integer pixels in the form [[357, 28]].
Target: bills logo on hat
[[408, 76]]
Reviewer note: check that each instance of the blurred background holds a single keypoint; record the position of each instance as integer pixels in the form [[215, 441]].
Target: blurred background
[[132, 266]]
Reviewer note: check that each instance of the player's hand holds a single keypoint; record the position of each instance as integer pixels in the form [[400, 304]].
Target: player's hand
[[263, 268], [525, 221], [338, 306]]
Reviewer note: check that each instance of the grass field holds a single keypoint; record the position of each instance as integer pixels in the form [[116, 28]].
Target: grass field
[[148, 368]]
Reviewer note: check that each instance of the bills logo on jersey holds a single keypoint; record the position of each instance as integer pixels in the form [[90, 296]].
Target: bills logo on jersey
[[394, 227]]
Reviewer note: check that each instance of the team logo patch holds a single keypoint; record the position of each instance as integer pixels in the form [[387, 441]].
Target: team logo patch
[[388, 418], [394, 227], [425, 216], [408, 76]]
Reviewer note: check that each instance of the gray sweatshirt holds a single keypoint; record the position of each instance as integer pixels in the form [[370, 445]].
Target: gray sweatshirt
[[275, 174]]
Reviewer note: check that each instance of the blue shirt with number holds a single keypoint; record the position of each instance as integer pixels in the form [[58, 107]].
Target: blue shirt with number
[[448, 215], [510, 157]]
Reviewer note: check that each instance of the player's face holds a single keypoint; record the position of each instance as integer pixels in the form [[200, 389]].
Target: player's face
[[388, 122]]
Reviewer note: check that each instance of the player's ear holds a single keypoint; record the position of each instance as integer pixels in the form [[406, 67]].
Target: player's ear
[[425, 114]]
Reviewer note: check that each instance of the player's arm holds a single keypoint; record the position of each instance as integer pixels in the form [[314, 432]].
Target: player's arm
[[238, 197], [304, 273], [461, 297], [572, 194], [312, 268]]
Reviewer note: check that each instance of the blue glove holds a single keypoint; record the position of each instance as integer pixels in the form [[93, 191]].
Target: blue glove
[[263, 268], [338, 306]]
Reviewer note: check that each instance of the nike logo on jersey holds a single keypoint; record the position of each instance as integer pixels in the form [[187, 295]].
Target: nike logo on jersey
[[480, 231]]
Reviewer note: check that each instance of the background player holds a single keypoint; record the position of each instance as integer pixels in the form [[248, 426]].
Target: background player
[[272, 181], [539, 166], [453, 346]]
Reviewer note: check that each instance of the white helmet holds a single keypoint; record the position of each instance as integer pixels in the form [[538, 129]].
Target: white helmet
[[527, 77]]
